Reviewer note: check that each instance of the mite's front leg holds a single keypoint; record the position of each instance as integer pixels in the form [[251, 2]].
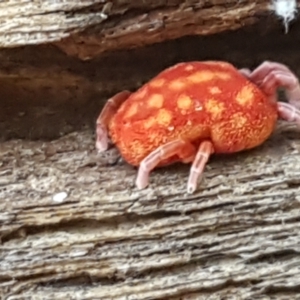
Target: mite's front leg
[[246, 72], [269, 76], [204, 152], [185, 150], [109, 109]]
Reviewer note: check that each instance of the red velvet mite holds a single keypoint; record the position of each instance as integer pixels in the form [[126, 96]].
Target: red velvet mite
[[194, 109]]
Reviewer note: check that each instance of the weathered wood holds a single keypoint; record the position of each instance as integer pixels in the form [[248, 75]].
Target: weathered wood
[[236, 238], [87, 28]]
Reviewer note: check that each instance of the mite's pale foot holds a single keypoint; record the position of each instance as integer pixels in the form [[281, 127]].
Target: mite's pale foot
[[203, 154], [109, 109], [184, 150], [288, 112]]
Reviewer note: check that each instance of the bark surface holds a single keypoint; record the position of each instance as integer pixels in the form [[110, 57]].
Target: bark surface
[[87, 28], [236, 238]]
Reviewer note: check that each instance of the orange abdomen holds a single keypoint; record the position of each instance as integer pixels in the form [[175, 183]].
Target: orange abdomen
[[194, 101]]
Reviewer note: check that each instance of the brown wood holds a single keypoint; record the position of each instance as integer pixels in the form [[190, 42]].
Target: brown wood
[[236, 238], [87, 28]]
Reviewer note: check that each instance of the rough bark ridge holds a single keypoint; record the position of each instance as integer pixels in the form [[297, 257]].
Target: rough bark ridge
[[236, 238], [87, 28]]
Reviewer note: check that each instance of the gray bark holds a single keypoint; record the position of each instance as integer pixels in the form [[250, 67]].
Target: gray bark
[[236, 238], [87, 28]]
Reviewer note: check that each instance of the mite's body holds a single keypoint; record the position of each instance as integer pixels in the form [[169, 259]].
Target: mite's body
[[195, 102], [189, 111]]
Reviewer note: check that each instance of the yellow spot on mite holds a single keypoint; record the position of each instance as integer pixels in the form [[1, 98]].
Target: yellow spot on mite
[[156, 101], [214, 90], [164, 117], [193, 131], [214, 107], [204, 76], [245, 96], [177, 85], [154, 139], [136, 147], [157, 83], [218, 63], [184, 102], [131, 110], [223, 75], [189, 68], [201, 76], [148, 123], [238, 120]]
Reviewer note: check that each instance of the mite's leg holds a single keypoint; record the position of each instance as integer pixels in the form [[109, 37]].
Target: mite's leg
[[109, 109], [288, 112], [246, 72], [185, 150], [203, 154], [269, 76]]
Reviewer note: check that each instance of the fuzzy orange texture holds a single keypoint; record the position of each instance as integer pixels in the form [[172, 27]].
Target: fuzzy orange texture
[[194, 101]]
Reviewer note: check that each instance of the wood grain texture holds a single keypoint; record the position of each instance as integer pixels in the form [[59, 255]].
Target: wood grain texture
[[87, 28], [236, 238]]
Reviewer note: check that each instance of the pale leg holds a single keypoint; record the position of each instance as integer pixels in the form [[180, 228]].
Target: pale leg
[[109, 109], [246, 72], [203, 154], [183, 149], [259, 74], [269, 76], [288, 112]]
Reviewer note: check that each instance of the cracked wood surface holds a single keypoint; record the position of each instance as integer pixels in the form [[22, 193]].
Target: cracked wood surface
[[87, 28], [236, 238]]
